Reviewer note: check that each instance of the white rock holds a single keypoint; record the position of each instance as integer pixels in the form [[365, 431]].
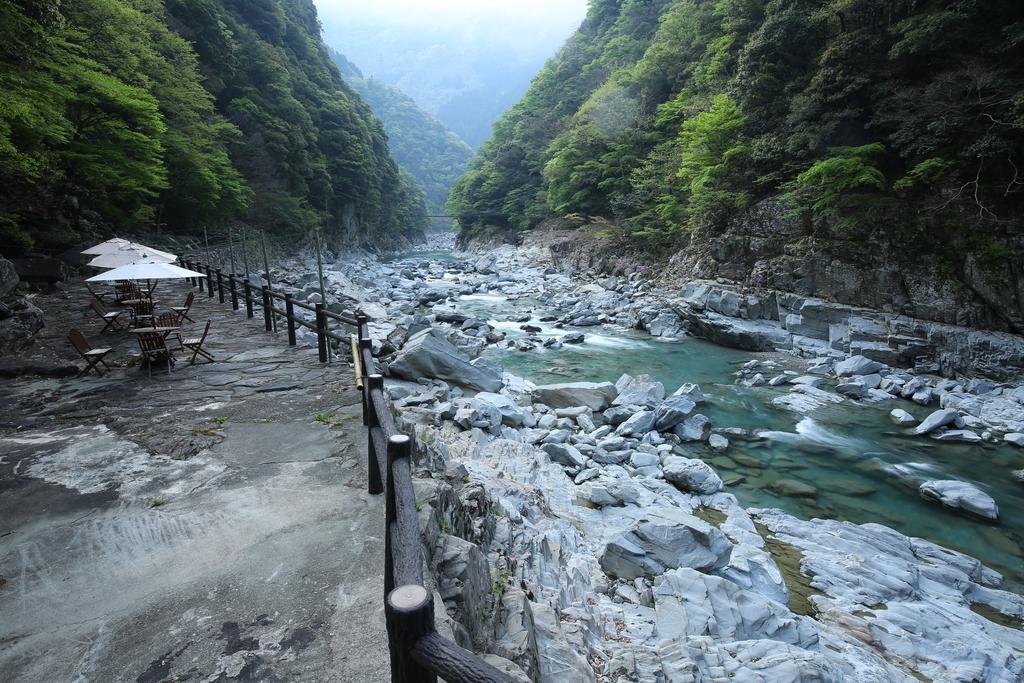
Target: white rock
[[902, 417], [960, 495], [940, 418], [856, 365], [690, 474]]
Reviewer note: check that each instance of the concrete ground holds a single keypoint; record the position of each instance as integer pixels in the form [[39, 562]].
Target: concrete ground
[[209, 525]]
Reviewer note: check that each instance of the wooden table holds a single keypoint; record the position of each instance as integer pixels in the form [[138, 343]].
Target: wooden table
[[147, 330]]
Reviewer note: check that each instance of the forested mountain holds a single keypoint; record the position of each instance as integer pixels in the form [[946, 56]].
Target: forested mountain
[[900, 121], [432, 154], [118, 114]]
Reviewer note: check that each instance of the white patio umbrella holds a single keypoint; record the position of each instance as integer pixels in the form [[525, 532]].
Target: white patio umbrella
[[108, 246], [117, 244], [124, 257], [150, 251], [146, 270]]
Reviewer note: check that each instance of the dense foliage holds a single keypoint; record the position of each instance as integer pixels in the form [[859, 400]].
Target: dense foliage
[[432, 154], [118, 114], [665, 116]]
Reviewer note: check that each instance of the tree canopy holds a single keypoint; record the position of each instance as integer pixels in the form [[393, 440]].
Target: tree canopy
[[663, 117], [121, 114]]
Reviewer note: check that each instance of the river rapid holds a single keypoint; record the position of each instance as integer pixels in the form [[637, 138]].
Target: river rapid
[[845, 462]]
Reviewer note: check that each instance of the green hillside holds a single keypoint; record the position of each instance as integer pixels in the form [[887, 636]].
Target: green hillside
[[123, 114], [432, 154], [899, 120]]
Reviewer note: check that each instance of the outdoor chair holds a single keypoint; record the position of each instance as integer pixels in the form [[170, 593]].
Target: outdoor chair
[[195, 344], [142, 312], [96, 295], [126, 291], [154, 348], [169, 320], [111, 318], [182, 311], [92, 357]]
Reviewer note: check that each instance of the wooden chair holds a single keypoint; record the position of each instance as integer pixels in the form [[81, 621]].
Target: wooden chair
[[93, 357], [109, 318], [142, 312], [182, 311], [169, 320], [154, 348], [96, 295], [196, 345]]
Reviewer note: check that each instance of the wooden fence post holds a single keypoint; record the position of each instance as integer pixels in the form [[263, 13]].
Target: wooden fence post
[[220, 284], [366, 343], [374, 484], [409, 612], [399, 446], [234, 291], [289, 309], [209, 281], [267, 303], [321, 332], [247, 289]]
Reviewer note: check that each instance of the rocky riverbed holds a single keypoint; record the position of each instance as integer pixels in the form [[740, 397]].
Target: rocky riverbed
[[609, 530]]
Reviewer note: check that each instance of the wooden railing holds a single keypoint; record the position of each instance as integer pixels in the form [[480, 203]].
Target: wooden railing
[[419, 654]]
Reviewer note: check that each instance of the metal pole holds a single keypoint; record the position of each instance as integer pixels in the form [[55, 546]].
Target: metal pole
[[220, 284], [245, 255], [270, 285], [234, 291], [231, 250], [267, 304], [321, 332], [320, 274], [206, 237]]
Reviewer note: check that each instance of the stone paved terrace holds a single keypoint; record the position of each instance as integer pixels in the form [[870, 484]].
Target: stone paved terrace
[[209, 525]]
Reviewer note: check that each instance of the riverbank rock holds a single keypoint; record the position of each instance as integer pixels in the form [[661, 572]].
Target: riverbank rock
[[429, 354], [902, 417], [690, 474], [638, 391], [960, 495], [663, 539], [940, 418], [594, 395]]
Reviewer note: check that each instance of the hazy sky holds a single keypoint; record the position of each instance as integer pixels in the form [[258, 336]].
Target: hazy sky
[[519, 12]]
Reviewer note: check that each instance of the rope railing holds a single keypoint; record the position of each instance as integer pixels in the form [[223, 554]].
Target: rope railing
[[418, 653]]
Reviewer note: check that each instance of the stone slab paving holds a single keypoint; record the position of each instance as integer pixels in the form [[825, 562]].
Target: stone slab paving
[[207, 525]]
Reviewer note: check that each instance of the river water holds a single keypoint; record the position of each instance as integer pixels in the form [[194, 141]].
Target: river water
[[860, 467]]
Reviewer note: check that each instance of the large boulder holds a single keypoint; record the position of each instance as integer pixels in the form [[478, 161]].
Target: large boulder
[[594, 395], [429, 354], [20, 320], [690, 474], [960, 495], [856, 365], [688, 603], [672, 411], [940, 418], [663, 539], [511, 414], [639, 391], [8, 278]]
